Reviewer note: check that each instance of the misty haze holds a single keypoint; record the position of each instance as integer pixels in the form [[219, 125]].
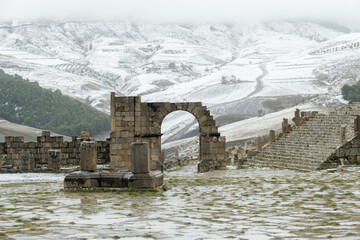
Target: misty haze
[[179, 119]]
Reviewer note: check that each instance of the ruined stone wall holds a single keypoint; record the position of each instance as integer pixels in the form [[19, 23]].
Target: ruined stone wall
[[350, 152], [19, 156], [132, 121]]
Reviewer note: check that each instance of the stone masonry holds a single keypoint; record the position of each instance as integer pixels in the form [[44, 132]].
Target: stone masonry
[[317, 141], [133, 120], [46, 154], [140, 176]]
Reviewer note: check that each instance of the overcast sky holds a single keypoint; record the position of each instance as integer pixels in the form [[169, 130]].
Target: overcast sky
[[341, 11]]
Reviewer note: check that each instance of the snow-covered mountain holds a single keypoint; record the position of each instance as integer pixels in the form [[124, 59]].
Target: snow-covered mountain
[[231, 68]]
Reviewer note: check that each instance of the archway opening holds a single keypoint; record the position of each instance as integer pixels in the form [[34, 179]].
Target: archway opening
[[180, 140]]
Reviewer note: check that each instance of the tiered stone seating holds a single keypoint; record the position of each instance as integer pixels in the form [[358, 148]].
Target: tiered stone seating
[[309, 145]]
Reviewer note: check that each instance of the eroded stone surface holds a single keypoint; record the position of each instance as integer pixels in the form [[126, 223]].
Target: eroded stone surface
[[140, 176], [88, 156], [20, 156]]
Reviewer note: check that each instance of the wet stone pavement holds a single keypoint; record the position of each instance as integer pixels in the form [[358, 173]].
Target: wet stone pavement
[[232, 204]]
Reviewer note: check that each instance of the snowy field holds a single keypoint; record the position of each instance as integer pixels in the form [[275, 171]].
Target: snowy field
[[241, 204], [228, 67]]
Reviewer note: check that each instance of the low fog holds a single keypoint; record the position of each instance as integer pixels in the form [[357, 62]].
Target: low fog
[[187, 11]]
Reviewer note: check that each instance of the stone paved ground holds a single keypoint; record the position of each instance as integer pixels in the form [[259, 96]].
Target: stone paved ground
[[240, 204]]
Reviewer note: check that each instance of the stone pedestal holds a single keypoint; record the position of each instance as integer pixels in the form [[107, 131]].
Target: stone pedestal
[[342, 134], [297, 119], [140, 176], [88, 156], [140, 158], [140, 167], [54, 159], [27, 162], [284, 126], [272, 136], [258, 144], [357, 125]]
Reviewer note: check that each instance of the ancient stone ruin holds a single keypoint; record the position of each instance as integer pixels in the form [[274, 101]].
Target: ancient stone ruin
[[140, 176], [48, 153], [316, 141], [133, 120]]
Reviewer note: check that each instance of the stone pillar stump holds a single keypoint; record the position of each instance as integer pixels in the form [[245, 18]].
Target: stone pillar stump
[[140, 157], [54, 159], [272, 136], [88, 156]]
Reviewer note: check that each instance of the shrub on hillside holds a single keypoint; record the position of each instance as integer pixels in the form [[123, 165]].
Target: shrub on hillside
[[351, 93], [25, 102]]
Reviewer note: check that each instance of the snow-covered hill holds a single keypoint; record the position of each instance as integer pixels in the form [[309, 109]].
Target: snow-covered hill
[[231, 68]]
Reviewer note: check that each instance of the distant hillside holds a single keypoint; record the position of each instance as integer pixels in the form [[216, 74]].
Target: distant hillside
[[25, 102], [231, 68]]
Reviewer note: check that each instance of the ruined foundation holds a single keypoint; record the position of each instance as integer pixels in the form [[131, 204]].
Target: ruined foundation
[[47, 154], [140, 176]]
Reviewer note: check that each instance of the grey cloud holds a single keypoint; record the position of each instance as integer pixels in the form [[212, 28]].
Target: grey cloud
[[343, 11]]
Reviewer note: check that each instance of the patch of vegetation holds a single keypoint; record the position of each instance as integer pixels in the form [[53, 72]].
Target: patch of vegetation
[[25, 102], [351, 93]]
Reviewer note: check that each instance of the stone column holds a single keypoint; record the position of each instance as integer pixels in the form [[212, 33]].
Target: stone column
[[297, 118], [54, 159], [140, 158], [140, 176], [272, 136], [112, 111], [342, 134], [357, 125], [85, 136], [258, 144], [284, 126], [88, 156]]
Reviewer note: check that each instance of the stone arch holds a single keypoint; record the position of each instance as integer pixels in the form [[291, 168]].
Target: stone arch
[[207, 124], [133, 120]]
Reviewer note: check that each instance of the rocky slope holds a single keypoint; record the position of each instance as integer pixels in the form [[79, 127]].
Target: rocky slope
[[231, 68]]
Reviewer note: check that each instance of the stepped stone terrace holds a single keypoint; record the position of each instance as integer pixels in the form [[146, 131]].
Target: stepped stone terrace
[[315, 142]]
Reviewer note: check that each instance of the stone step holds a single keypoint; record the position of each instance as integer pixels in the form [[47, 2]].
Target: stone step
[[309, 145]]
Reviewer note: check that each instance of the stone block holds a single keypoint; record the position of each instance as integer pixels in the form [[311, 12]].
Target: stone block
[[9, 139], [145, 180], [19, 139], [54, 159], [272, 136], [113, 180], [140, 158], [80, 180], [88, 156], [45, 133]]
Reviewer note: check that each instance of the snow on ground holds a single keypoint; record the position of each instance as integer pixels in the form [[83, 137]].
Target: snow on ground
[[30, 58], [258, 126], [80, 87], [229, 83], [6, 178]]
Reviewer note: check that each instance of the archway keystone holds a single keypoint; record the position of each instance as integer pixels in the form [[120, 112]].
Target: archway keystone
[[133, 120]]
